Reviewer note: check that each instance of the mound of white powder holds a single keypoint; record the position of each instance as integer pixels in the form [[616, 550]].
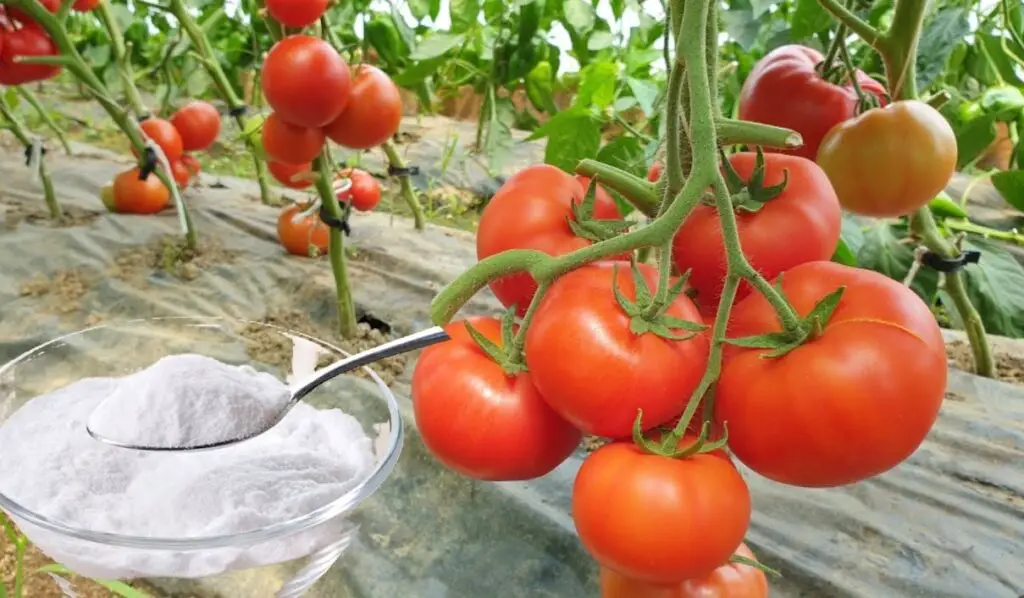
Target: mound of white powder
[[189, 400], [51, 465]]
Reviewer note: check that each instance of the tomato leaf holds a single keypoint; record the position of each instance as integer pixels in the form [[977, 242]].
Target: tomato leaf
[[742, 26], [938, 39], [645, 92], [1010, 185], [1003, 64], [437, 44], [539, 87], [844, 255], [974, 138], [579, 15], [598, 84], [995, 286], [420, 9], [463, 14], [809, 18], [883, 252], [572, 135]]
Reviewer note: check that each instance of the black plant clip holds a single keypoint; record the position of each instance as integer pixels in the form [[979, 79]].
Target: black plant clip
[[946, 265], [238, 111], [342, 224], [148, 164], [403, 170], [30, 149], [144, 117]]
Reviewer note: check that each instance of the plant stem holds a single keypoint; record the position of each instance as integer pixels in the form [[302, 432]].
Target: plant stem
[[124, 66], [405, 183], [347, 325], [740, 132], [19, 566], [899, 53], [515, 352], [846, 17], [966, 226], [639, 192], [18, 130], [31, 98], [49, 195]]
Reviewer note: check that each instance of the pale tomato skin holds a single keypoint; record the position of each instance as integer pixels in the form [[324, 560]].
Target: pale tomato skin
[[731, 580], [889, 162], [849, 405], [656, 519]]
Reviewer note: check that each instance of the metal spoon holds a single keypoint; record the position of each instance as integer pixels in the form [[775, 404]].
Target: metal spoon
[[412, 342]]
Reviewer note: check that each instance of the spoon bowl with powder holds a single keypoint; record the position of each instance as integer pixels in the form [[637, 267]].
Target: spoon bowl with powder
[[189, 402]]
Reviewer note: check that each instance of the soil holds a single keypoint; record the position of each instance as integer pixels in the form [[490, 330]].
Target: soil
[[170, 255], [270, 348], [1009, 367], [62, 292], [16, 213]]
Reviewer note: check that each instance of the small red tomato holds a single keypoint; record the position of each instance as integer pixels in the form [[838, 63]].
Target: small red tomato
[[296, 13], [181, 174], [192, 164], [306, 81], [374, 111], [365, 190], [198, 124], [85, 5], [290, 144], [26, 42], [165, 135], [478, 420], [731, 580], [300, 233], [294, 176], [654, 172], [659, 520], [134, 196]]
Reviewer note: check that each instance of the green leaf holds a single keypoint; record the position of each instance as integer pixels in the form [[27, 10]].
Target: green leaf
[[419, 8], [1002, 99], [600, 40], [995, 286], [598, 82], [938, 39], [974, 138], [493, 10], [539, 87], [844, 255], [498, 132], [809, 18], [437, 44], [1010, 185], [418, 72], [625, 153], [405, 33], [464, 14], [1002, 63], [760, 7], [579, 15], [646, 94], [882, 252], [742, 27], [573, 135], [97, 56], [618, 7]]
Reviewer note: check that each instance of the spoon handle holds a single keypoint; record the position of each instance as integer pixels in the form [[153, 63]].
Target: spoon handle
[[412, 342]]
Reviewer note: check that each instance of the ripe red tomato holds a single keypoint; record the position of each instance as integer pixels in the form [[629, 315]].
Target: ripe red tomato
[[481, 422], [659, 520], [26, 42], [365, 191], [284, 173], [888, 162], [594, 371], [846, 406], [806, 215], [784, 90], [531, 211], [374, 111], [298, 233], [290, 144], [192, 164], [296, 13], [163, 134], [181, 174], [731, 580], [198, 124], [654, 172], [85, 5], [306, 81], [132, 196]]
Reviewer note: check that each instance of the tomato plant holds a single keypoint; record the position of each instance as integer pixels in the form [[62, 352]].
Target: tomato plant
[[198, 125], [532, 210], [786, 89], [134, 196], [732, 580], [301, 231], [484, 422], [683, 518], [890, 161], [804, 211], [373, 113], [291, 144], [614, 372], [851, 403], [306, 81]]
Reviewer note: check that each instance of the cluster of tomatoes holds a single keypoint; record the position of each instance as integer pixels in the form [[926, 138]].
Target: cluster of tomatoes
[[850, 400], [22, 37], [315, 96], [193, 128]]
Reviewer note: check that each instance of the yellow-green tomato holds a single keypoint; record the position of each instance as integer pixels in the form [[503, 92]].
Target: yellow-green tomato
[[888, 162]]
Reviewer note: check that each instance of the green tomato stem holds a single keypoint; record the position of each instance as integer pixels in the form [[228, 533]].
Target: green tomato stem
[[966, 226], [859, 26], [739, 132], [31, 98], [347, 325], [515, 352], [120, 55], [639, 192], [18, 130], [49, 195], [405, 185]]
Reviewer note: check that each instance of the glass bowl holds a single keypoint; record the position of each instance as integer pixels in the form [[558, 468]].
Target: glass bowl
[[118, 349]]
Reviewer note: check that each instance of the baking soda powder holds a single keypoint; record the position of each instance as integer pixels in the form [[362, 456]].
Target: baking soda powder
[[51, 466]]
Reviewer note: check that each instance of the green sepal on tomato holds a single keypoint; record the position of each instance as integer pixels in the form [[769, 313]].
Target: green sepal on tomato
[[888, 162], [593, 366], [785, 89], [481, 421], [660, 520], [802, 223], [854, 400], [731, 580], [532, 211]]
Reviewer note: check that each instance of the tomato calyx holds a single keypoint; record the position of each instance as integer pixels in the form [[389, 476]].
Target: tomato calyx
[[751, 195], [810, 328], [648, 312], [505, 355], [668, 444], [584, 225], [739, 559]]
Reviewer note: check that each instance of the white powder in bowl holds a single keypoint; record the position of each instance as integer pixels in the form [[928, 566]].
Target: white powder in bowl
[[189, 400], [51, 466]]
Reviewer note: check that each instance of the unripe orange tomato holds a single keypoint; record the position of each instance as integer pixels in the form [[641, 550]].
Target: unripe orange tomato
[[888, 162]]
